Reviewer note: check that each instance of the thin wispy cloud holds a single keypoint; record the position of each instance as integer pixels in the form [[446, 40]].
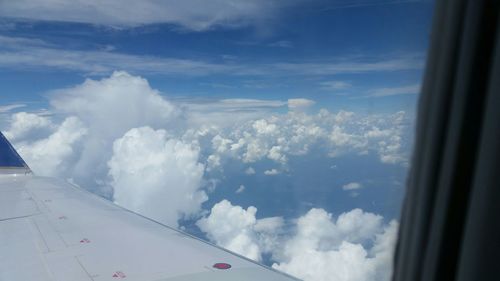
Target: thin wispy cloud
[[227, 111], [28, 54], [395, 91], [300, 103], [6, 42], [6, 25], [17, 53], [281, 44], [351, 67], [366, 3], [189, 15], [334, 85], [10, 107], [233, 104], [352, 186]]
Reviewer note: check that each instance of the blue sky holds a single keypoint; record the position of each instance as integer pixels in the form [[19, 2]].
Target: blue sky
[[261, 118], [325, 49]]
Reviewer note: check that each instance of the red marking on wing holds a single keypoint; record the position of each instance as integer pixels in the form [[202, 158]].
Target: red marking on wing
[[119, 274], [222, 265]]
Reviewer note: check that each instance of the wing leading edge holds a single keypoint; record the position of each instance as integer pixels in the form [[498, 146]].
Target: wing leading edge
[[51, 230]]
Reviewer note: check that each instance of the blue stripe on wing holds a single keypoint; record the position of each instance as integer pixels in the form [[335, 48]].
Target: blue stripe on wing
[[9, 158]]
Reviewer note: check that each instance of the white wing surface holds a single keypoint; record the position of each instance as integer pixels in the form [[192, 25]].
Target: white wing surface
[[51, 230]]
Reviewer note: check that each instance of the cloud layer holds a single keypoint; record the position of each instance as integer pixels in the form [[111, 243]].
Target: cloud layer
[[189, 14], [25, 53], [281, 136], [89, 118], [122, 139]]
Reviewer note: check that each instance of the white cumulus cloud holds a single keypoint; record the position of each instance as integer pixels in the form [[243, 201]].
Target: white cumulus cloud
[[238, 230], [52, 156], [403, 90], [300, 103], [352, 186], [94, 114], [156, 176], [280, 136], [240, 189], [97, 112], [355, 246], [324, 249], [10, 107], [119, 136], [335, 85], [250, 171], [28, 126], [110, 107], [271, 172]]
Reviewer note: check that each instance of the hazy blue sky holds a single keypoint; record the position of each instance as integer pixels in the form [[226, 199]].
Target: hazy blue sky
[[316, 49]]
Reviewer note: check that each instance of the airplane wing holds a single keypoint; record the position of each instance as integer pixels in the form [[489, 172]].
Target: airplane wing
[[52, 230]]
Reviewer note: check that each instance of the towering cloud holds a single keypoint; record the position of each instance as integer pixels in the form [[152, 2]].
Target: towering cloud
[[157, 176], [108, 108]]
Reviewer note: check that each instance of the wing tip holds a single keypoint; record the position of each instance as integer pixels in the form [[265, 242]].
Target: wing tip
[[10, 161]]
